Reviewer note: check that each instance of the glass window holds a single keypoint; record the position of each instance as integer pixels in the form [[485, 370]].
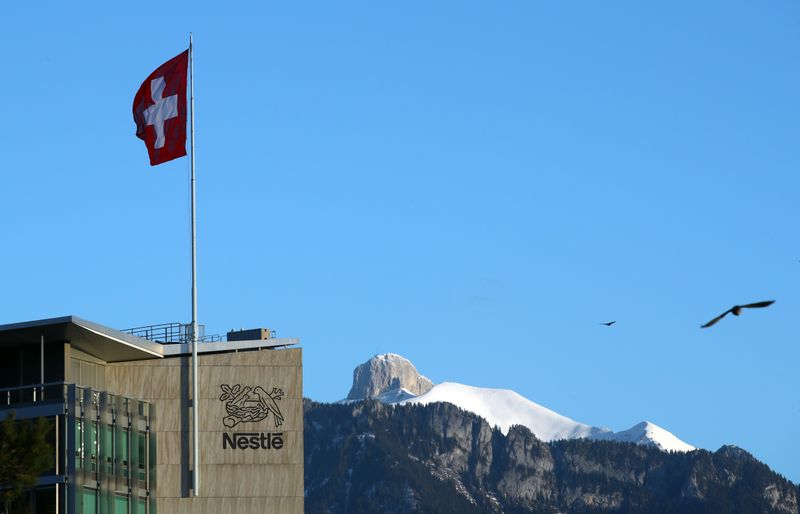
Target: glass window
[[125, 435], [140, 505], [78, 443], [120, 504], [106, 451], [124, 451], [89, 501], [87, 446], [46, 500], [152, 476], [92, 449], [51, 439], [142, 436], [92, 425]]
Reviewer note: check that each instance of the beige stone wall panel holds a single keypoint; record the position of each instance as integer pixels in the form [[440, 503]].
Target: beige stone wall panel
[[288, 357], [248, 480], [168, 446], [232, 480], [283, 377], [274, 505]]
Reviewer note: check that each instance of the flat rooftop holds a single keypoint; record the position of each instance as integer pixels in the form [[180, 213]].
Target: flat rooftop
[[112, 345]]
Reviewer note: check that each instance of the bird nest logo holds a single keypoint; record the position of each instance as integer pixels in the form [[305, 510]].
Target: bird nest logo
[[250, 404]]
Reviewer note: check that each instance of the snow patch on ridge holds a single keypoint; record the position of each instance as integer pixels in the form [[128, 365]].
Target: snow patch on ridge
[[504, 408], [395, 395], [650, 434]]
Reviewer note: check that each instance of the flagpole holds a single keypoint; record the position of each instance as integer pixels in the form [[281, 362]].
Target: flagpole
[[195, 399]]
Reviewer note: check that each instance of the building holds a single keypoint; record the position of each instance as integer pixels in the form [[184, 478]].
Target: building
[[120, 407]]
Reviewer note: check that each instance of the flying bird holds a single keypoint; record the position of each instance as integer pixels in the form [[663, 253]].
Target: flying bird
[[737, 309], [608, 323]]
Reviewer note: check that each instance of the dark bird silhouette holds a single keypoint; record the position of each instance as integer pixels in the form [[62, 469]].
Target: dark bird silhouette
[[608, 323], [737, 309]]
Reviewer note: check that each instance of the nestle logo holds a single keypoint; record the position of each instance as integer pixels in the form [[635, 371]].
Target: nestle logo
[[250, 404], [253, 440]]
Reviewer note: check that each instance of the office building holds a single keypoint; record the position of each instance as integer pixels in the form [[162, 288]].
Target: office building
[[120, 407]]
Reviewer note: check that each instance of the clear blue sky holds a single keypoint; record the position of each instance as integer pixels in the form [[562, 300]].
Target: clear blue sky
[[473, 185]]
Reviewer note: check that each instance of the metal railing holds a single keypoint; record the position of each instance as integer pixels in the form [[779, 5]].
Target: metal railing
[[51, 391], [37, 393], [170, 333], [167, 332]]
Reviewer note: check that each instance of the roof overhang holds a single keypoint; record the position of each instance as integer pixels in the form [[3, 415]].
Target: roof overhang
[[97, 340], [111, 345]]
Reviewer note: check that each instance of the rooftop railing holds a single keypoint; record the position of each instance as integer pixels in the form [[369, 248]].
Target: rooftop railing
[[172, 333], [167, 333]]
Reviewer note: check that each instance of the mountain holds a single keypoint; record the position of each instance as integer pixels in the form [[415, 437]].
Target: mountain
[[370, 457], [389, 375], [504, 408], [391, 378], [649, 434], [400, 445]]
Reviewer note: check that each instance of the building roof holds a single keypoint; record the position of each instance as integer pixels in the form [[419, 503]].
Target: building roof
[[111, 345]]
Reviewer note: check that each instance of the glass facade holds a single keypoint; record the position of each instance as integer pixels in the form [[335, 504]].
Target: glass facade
[[40, 500], [104, 451], [113, 453]]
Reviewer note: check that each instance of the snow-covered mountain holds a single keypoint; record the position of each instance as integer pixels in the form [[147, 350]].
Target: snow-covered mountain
[[650, 434], [392, 379], [504, 408]]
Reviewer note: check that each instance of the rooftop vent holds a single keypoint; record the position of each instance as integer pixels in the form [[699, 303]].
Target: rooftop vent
[[253, 334]]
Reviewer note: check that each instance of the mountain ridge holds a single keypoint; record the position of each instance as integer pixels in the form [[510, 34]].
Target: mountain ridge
[[371, 457], [389, 378]]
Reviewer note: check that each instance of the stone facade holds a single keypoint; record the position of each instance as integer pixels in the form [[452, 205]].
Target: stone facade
[[233, 479]]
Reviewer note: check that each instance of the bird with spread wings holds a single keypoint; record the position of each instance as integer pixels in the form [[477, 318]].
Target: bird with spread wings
[[737, 309]]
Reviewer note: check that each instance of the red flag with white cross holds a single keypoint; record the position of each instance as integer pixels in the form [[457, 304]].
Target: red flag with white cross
[[159, 110]]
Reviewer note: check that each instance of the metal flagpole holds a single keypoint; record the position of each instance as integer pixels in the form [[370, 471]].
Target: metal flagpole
[[195, 400]]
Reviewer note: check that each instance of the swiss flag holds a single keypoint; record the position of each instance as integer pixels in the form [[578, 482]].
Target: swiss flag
[[159, 110]]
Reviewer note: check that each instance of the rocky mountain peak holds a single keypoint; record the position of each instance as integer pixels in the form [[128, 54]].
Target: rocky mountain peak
[[385, 375], [734, 452]]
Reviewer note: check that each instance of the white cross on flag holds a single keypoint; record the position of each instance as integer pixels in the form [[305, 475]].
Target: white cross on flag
[[159, 110]]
